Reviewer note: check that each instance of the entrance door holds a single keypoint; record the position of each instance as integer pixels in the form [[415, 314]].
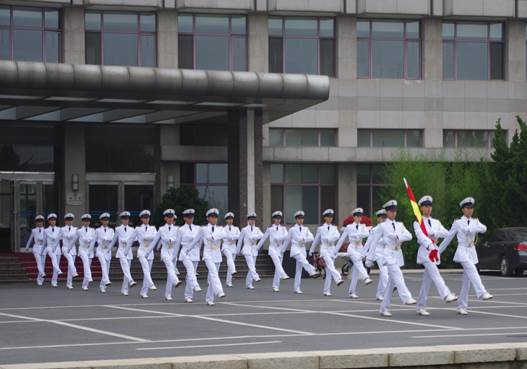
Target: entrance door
[[6, 214]]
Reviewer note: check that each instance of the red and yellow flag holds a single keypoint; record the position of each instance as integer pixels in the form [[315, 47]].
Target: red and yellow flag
[[415, 207]]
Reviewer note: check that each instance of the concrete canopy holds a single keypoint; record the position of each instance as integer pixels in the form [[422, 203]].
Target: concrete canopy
[[59, 93]]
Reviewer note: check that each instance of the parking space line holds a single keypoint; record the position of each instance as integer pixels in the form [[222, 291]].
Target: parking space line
[[80, 327], [207, 346]]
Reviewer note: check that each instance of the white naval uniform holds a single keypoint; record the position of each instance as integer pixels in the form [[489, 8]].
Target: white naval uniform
[[277, 235], [167, 235], [466, 230], [232, 233], [87, 237], [53, 237], [327, 236], [355, 233], [69, 250], [103, 252], [145, 235], [393, 234], [299, 236], [125, 237], [248, 246], [431, 274], [38, 236], [185, 236], [211, 236], [375, 256]]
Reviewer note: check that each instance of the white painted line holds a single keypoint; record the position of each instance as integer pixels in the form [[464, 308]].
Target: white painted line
[[80, 327], [497, 314], [207, 346], [473, 335], [144, 311]]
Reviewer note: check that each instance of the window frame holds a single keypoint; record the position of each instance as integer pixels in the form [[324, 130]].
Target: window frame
[[405, 132], [455, 41], [456, 133], [139, 33], [319, 131], [230, 35], [404, 39], [43, 31]]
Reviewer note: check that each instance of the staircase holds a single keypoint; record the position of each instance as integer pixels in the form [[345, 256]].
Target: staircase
[[21, 267]]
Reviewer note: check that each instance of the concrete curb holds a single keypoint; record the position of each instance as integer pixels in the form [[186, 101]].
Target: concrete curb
[[507, 355]]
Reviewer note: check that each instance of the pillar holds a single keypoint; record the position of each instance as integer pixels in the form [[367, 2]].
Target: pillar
[[74, 170], [258, 42], [167, 39], [347, 189], [515, 51], [346, 47], [74, 50]]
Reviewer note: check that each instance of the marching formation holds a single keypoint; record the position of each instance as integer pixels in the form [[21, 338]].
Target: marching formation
[[190, 243]]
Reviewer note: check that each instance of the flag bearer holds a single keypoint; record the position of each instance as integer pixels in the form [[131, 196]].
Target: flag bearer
[[248, 247], [69, 250], [327, 236], [232, 233], [211, 236], [105, 237], [376, 256], [184, 239], [299, 236], [277, 235], [38, 237], [145, 235], [53, 237], [355, 233], [167, 235], [125, 237], [466, 229], [87, 237], [428, 256]]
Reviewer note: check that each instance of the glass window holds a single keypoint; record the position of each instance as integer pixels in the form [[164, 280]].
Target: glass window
[[473, 51], [307, 187], [468, 138], [302, 45], [369, 186], [389, 138], [302, 137], [388, 49], [26, 157], [30, 34], [215, 42], [211, 181], [120, 38], [192, 135], [276, 137]]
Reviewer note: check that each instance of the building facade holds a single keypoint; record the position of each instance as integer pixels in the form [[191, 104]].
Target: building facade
[[428, 76]]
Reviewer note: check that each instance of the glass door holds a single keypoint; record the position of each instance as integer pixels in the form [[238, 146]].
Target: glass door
[[138, 197], [103, 198], [27, 209], [6, 215]]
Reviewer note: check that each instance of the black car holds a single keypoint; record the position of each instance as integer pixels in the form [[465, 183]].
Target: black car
[[504, 249]]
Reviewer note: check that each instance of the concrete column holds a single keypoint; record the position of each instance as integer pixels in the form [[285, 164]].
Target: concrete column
[[256, 192], [169, 135], [74, 49], [346, 47], [432, 49], [167, 39], [74, 167], [258, 43], [347, 189], [266, 193], [515, 54]]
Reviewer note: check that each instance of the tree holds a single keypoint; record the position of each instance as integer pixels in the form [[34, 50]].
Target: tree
[[179, 199]]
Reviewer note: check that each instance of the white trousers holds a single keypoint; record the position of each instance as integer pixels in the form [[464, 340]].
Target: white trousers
[[279, 271], [431, 275], [40, 259], [331, 273], [72, 270], [172, 278], [383, 281], [470, 277], [190, 279], [214, 287], [105, 272], [55, 261], [302, 263], [358, 272], [231, 266], [196, 263], [252, 275], [147, 278], [127, 276], [395, 279], [86, 267]]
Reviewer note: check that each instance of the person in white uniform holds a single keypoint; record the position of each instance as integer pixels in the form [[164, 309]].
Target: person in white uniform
[[428, 256], [87, 237], [167, 235], [277, 235], [466, 229], [228, 247], [69, 250], [376, 256], [38, 238], [184, 239], [105, 236], [393, 234], [211, 237], [125, 237], [53, 251], [355, 233], [248, 247], [299, 237], [145, 235], [326, 238]]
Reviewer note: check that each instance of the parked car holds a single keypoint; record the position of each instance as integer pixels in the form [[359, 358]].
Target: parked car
[[504, 249]]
